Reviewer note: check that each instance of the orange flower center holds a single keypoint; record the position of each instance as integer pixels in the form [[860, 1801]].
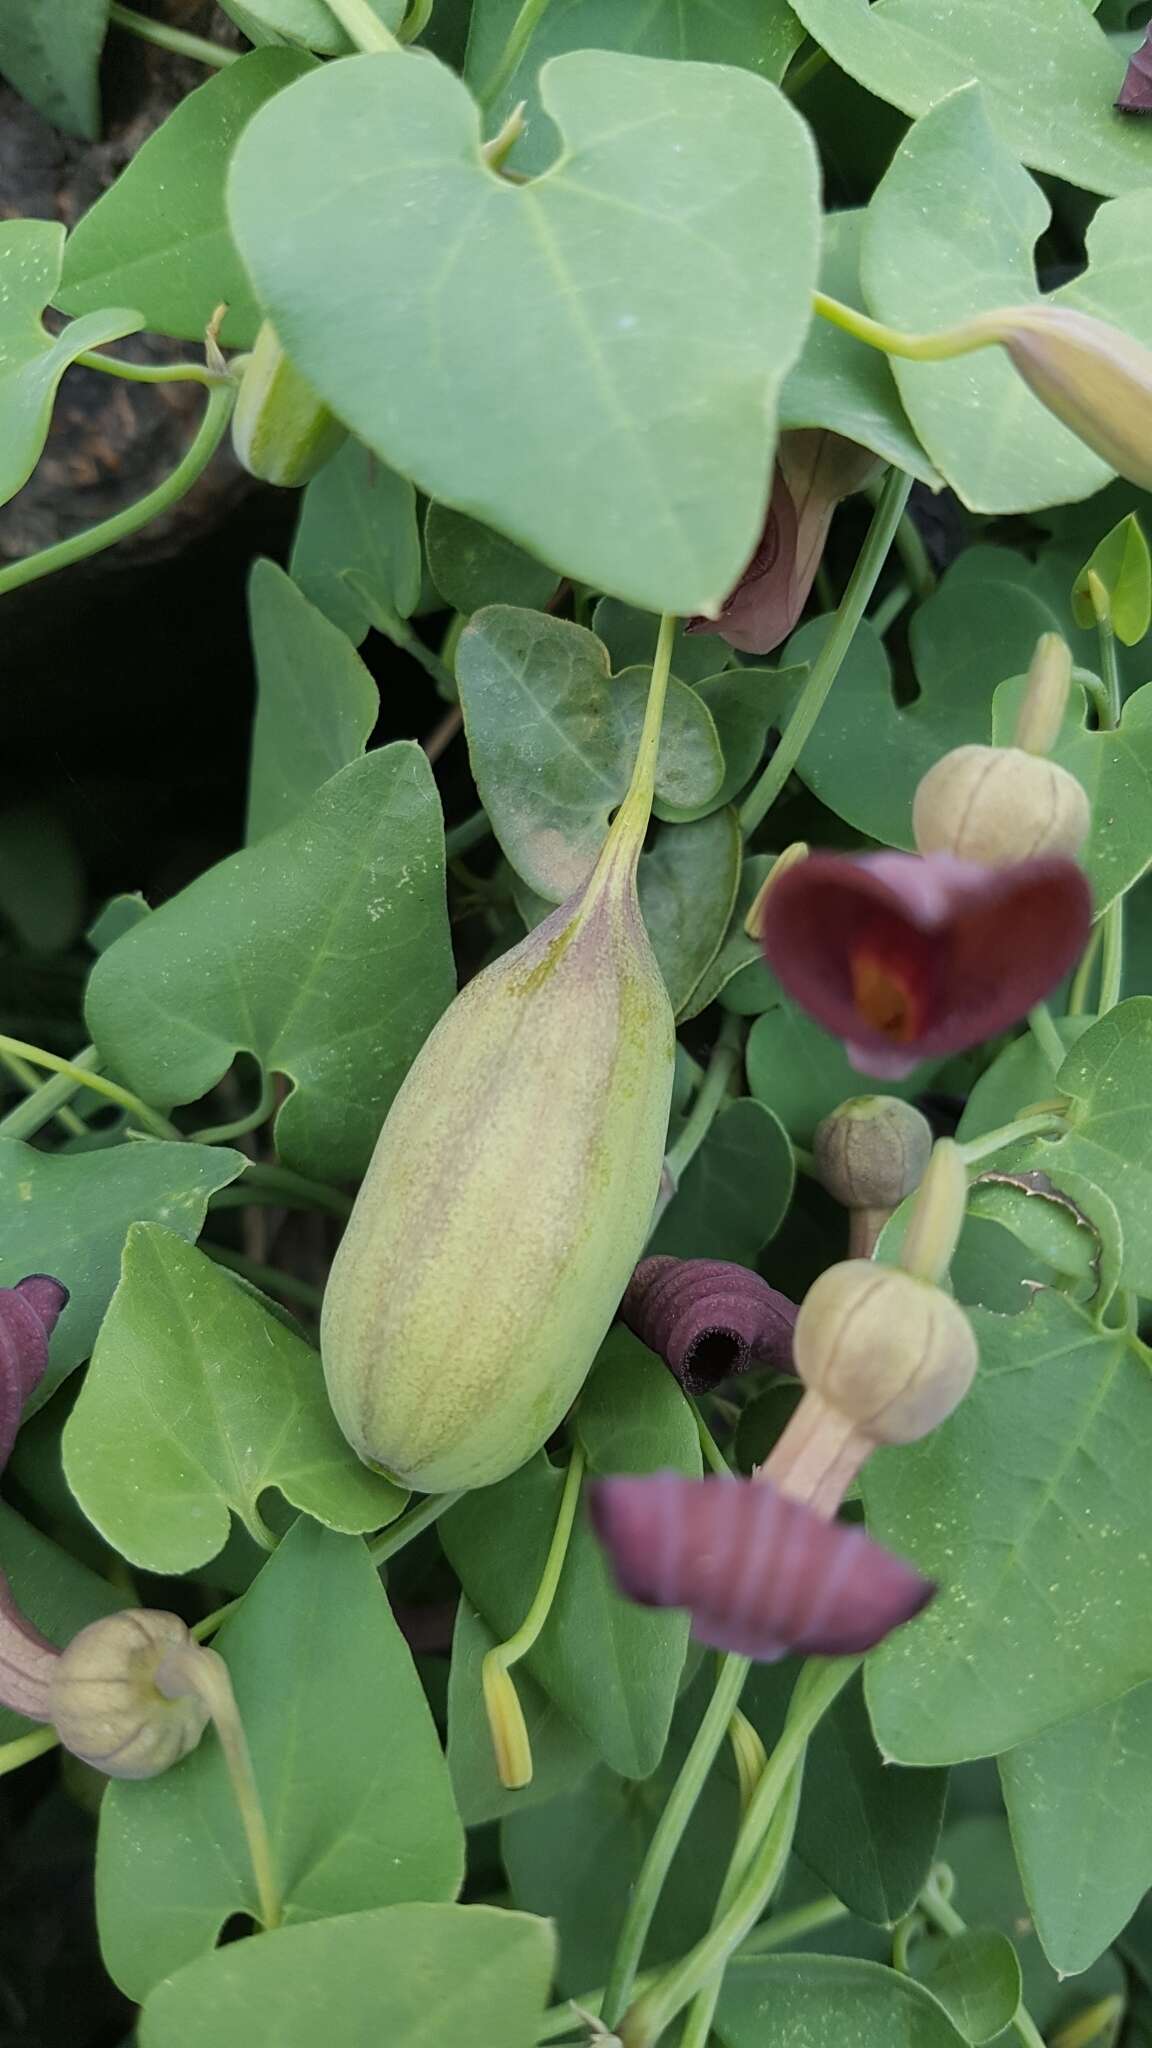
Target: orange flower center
[[885, 998]]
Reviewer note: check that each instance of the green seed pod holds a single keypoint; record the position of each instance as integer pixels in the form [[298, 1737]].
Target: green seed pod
[[281, 431], [509, 1196], [105, 1701], [872, 1151], [890, 1353], [997, 805]]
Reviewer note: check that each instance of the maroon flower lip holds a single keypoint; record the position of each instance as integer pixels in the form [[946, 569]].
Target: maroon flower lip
[[708, 1319], [28, 1314], [760, 1574], [1135, 95], [906, 957]]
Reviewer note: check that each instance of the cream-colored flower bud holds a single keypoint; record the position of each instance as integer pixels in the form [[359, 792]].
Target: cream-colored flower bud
[[105, 1701], [891, 1353], [281, 431], [872, 1151], [998, 805]]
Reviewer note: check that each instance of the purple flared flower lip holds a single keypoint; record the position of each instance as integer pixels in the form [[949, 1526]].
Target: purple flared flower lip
[[976, 946], [708, 1319], [28, 1315], [1135, 95], [760, 1574]]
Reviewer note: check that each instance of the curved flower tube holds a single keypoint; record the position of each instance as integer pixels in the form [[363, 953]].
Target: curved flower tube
[[28, 1316], [907, 958], [1135, 95], [708, 1319]]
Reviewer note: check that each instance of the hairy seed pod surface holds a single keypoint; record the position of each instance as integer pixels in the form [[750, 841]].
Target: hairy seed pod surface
[[508, 1199], [890, 1352], [105, 1702], [997, 805]]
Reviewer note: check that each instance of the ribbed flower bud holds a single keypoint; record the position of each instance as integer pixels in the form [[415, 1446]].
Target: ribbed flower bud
[[999, 805], [511, 1190], [872, 1151], [890, 1353], [106, 1699], [281, 431], [1095, 378]]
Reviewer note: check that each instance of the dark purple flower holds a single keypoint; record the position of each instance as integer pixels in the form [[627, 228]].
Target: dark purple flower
[[760, 1574], [28, 1314], [814, 470], [1135, 95], [708, 1319], [907, 958]]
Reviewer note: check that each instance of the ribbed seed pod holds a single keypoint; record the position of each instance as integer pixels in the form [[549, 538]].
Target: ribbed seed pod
[[105, 1701], [997, 805], [708, 1319], [509, 1196], [281, 431], [872, 1151]]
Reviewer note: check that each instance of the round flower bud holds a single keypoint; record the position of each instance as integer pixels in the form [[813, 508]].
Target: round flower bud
[[872, 1151], [105, 1701], [891, 1353], [998, 805], [281, 431]]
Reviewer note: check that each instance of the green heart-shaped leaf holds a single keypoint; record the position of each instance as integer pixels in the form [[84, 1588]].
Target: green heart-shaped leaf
[[358, 531], [574, 316], [51, 54], [323, 951], [929, 262], [32, 361], [198, 1399], [1049, 73], [316, 703], [1122, 564]]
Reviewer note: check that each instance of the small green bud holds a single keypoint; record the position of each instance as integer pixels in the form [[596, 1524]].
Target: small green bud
[[999, 805], [891, 1353], [281, 431], [106, 1702], [509, 1197], [872, 1151]]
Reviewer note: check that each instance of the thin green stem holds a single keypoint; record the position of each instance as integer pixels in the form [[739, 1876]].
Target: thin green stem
[[827, 664], [637, 805], [944, 1917], [25, 1749], [1109, 666], [903, 1935], [785, 1928], [105, 535], [519, 36], [416, 20], [27, 1078], [468, 833], [362, 26], [1045, 1124], [889, 609], [678, 1811], [154, 373], [939, 347], [1047, 1037], [1082, 979], [31, 1116], [205, 1673], [209, 1623], [399, 1534], [709, 1098], [713, 1455], [509, 1730], [174, 39], [222, 1134], [312, 1194], [803, 73], [85, 1078], [1111, 957], [914, 555], [270, 1278]]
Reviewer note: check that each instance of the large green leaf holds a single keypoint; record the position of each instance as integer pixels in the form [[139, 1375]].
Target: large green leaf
[[552, 739], [828, 2002], [1110, 1140], [576, 1860], [735, 1192], [840, 385], [358, 520], [930, 263], [309, 22], [472, 566], [32, 361], [316, 703], [975, 1976], [323, 951], [1079, 1802], [561, 1755], [687, 884], [1115, 769], [353, 1784], [558, 306], [760, 35], [198, 1399], [1030, 1507], [342, 1981], [56, 1593], [801, 1073], [866, 754], [68, 1213], [159, 238], [51, 54], [1049, 73], [612, 1667]]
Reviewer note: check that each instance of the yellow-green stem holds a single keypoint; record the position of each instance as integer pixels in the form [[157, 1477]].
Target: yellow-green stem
[[84, 1078], [509, 1733]]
